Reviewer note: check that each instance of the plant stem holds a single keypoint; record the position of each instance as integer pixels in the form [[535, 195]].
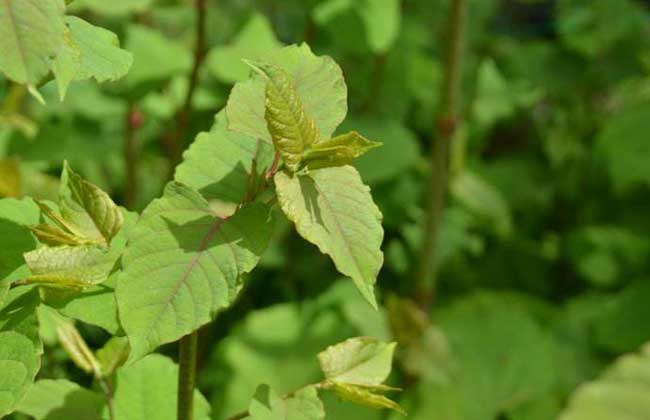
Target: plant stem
[[187, 376], [106, 386], [446, 124], [173, 141], [132, 123]]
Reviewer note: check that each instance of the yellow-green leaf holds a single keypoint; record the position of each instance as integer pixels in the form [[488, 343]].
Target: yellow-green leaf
[[338, 151]]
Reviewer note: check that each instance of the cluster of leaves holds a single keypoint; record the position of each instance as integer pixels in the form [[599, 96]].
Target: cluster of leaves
[[542, 302]]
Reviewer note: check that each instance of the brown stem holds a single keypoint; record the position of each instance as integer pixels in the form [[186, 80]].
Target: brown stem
[[173, 141], [446, 124], [132, 123], [378, 70]]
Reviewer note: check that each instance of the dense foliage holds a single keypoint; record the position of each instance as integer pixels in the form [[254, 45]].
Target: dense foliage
[[290, 194]]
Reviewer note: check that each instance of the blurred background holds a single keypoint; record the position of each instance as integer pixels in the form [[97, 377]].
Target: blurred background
[[541, 266]]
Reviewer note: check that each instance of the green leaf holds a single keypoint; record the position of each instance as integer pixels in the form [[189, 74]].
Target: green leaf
[[382, 21], [15, 217], [218, 164], [89, 52], [32, 34], [356, 369], [89, 211], [76, 347], [115, 7], [151, 56], [183, 264], [515, 353], [255, 41], [363, 361], [363, 396], [318, 82], [292, 130], [113, 355], [18, 314], [333, 209], [302, 405], [148, 390], [621, 392], [61, 399], [19, 363], [70, 267], [338, 151]]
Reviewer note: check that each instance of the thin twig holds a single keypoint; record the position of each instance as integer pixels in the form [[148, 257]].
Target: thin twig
[[132, 123], [446, 124], [173, 141], [107, 387]]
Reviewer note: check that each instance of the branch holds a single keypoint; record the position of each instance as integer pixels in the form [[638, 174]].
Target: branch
[[446, 124], [187, 376], [173, 141]]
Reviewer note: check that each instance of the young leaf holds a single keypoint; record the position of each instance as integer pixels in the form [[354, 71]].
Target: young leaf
[[318, 82], [91, 213], [19, 362], [70, 267], [31, 33], [183, 264], [89, 51], [218, 164], [303, 404], [113, 355], [362, 361], [148, 390], [292, 130], [76, 347], [338, 151], [356, 369], [61, 399], [333, 209]]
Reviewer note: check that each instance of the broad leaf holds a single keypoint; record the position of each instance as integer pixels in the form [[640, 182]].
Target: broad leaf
[[89, 51], [359, 361], [18, 314], [382, 21], [183, 264], [292, 130], [115, 7], [31, 34], [61, 399], [148, 390], [218, 164], [621, 392], [333, 209], [70, 267], [19, 362], [318, 82], [255, 40], [338, 151], [302, 405]]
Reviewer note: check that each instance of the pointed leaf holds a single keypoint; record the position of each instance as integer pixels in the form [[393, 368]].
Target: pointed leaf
[[302, 405], [19, 363], [363, 361], [76, 347], [31, 34], [89, 51], [318, 82], [292, 130], [218, 164], [363, 396], [90, 210], [183, 264], [338, 151], [61, 399], [139, 396], [333, 209]]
